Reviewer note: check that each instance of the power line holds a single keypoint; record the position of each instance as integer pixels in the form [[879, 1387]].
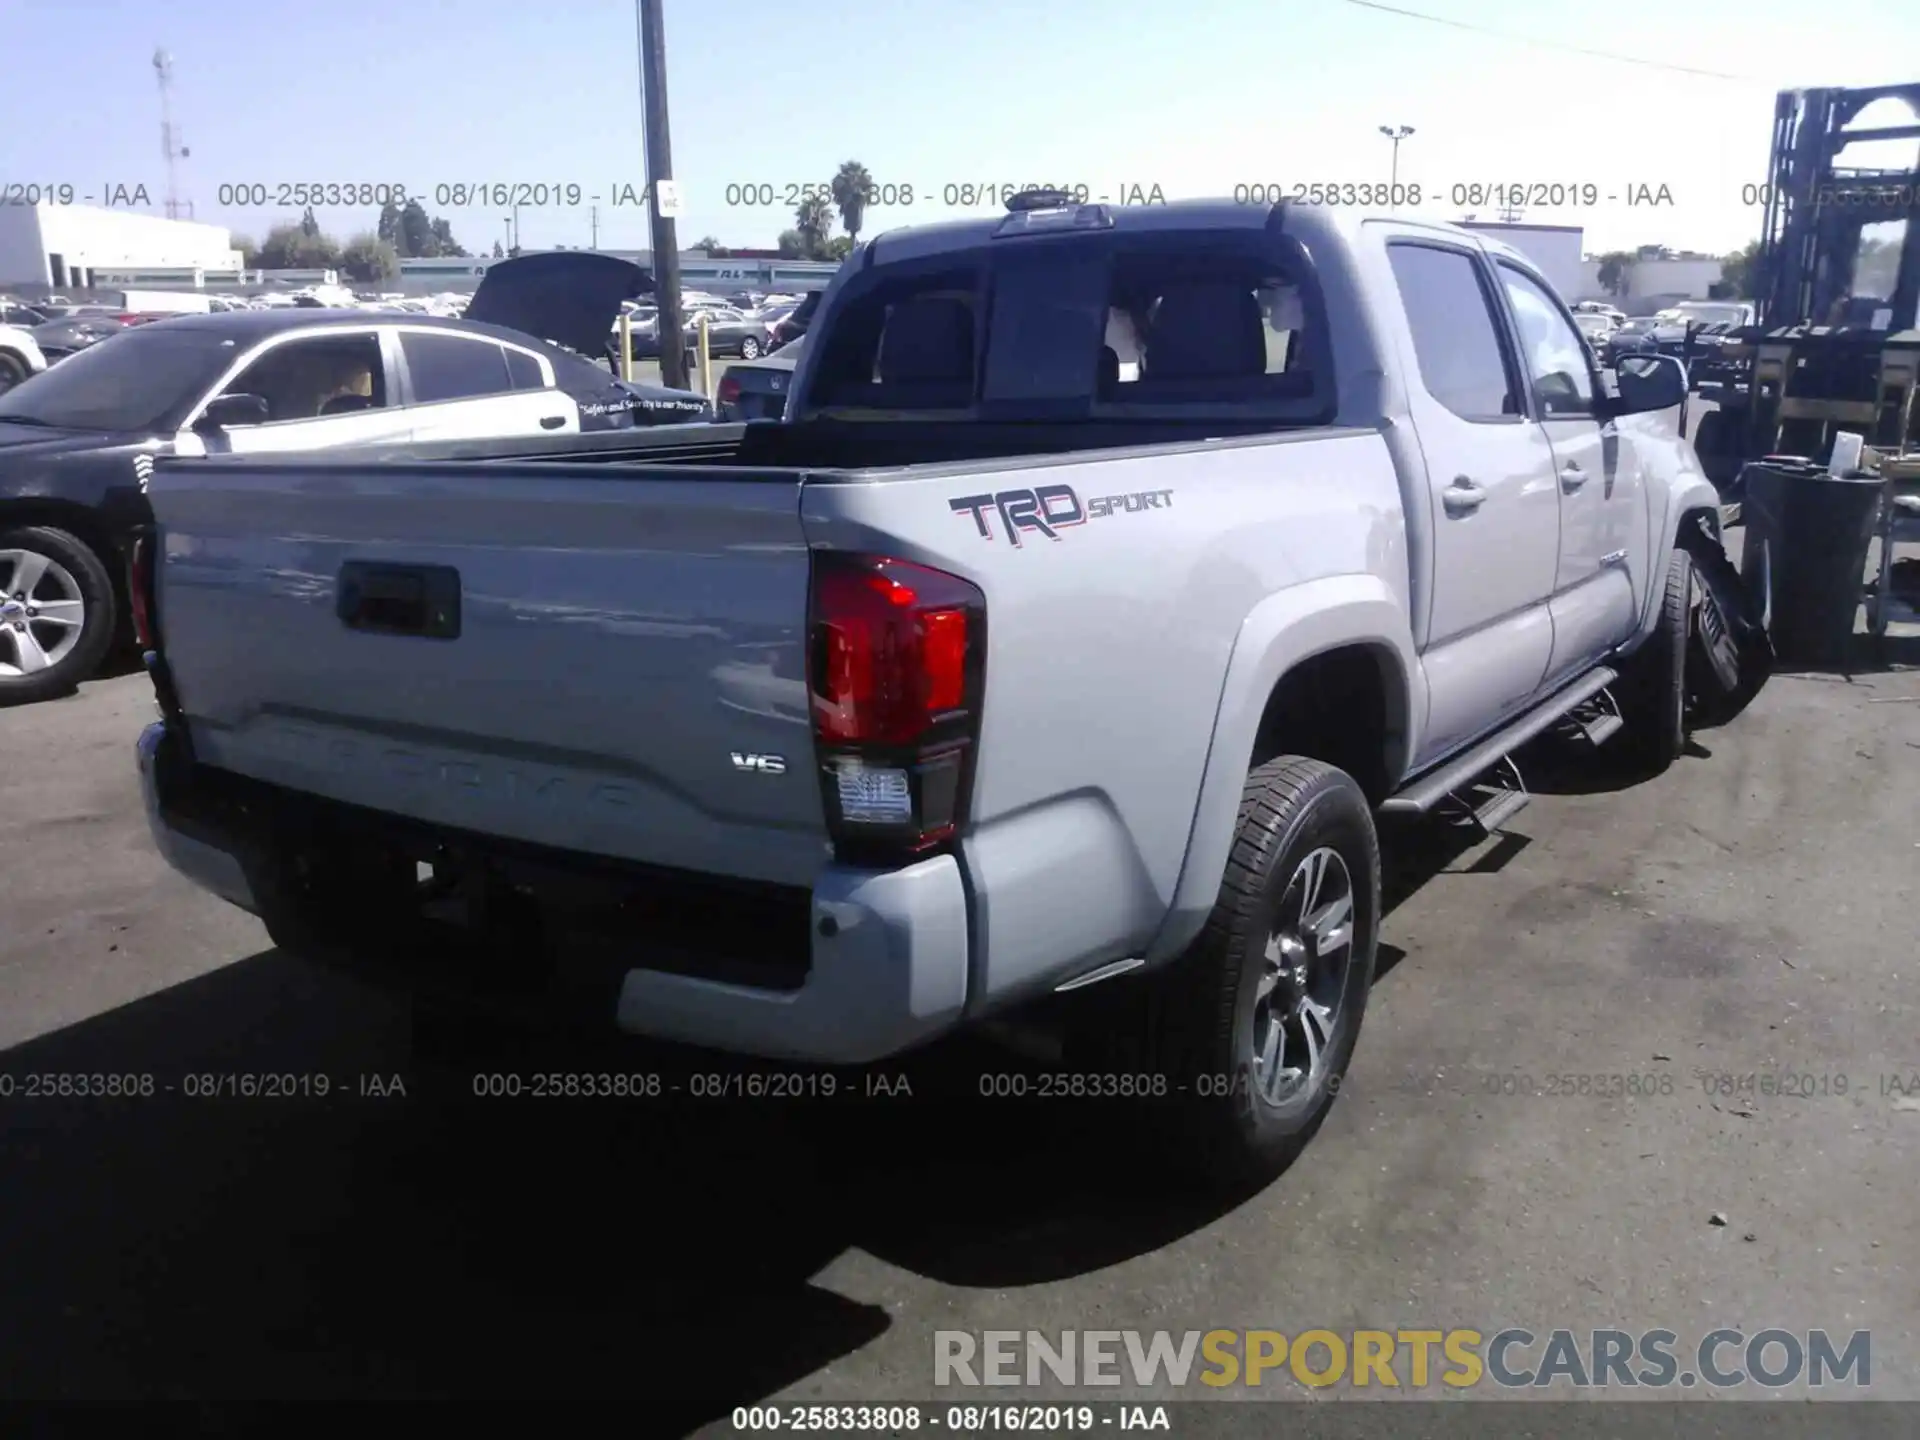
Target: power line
[[1548, 44]]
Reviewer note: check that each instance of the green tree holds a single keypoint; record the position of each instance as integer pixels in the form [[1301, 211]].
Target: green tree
[[1739, 272], [851, 187], [839, 247], [367, 257], [291, 247], [308, 224], [708, 243], [792, 245], [498, 253], [443, 241], [249, 251], [389, 227], [416, 230], [1614, 268], [813, 218]]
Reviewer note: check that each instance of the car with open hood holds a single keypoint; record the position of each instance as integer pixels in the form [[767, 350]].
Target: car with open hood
[[79, 441]]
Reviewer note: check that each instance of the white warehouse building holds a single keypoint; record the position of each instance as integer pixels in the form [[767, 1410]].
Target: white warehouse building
[[81, 246]]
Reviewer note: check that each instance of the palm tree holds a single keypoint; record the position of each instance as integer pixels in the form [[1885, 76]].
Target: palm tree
[[851, 189], [813, 218], [1614, 268]]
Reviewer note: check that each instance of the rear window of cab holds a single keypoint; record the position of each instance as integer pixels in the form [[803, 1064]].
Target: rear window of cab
[[1082, 327]]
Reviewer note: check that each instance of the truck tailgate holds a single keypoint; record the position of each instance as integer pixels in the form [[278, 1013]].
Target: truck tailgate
[[619, 666]]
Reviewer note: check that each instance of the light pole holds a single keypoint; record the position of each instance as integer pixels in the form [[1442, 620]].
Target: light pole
[[1395, 133], [665, 250]]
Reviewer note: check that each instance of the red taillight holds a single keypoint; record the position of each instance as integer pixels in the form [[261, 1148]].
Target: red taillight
[[728, 391], [140, 591], [896, 671]]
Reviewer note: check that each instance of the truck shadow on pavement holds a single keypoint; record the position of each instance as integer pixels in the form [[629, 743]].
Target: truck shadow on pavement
[[201, 1245]]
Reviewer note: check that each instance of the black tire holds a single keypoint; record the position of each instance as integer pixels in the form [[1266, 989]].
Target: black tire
[[1724, 672], [749, 349], [1652, 691], [99, 615], [13, 370], [1195, 1022]]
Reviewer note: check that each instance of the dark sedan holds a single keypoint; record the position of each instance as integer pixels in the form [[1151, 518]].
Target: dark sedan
[[60, 338], [731, 332], [795, 325]]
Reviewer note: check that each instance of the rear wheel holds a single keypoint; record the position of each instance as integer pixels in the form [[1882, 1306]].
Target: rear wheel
[[57, 608], [749, 349], [13, 370], [1253, 1027]]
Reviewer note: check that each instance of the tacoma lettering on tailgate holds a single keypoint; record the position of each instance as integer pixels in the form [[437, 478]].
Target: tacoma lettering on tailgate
[[1049, 509]]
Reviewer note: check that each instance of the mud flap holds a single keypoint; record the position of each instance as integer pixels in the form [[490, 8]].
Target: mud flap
[[1729, 653]]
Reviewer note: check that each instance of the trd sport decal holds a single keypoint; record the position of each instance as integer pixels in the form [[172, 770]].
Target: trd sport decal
[[1049, 509]]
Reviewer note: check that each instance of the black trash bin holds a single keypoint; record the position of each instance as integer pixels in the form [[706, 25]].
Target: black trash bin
[[1805, 555]]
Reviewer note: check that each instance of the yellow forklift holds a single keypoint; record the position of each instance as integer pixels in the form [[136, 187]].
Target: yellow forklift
[[1836, 344]]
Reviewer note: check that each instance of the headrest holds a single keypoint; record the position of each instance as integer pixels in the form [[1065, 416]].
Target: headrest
[[928, 339], [1205, 330]]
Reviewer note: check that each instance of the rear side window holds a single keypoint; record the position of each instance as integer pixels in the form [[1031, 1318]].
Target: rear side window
[[454, 367], [1456, 337], [1192, 327], [910, 345], [523, 370]]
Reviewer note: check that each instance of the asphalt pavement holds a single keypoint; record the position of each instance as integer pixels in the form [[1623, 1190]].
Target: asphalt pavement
[[1750, 913]]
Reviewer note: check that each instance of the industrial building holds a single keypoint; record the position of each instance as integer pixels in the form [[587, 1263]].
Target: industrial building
[[82, 246], [1652, 280], [697, 271], [1555, 249]]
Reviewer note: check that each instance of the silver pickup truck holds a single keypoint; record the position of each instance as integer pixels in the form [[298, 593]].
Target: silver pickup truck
[[1109, 573]]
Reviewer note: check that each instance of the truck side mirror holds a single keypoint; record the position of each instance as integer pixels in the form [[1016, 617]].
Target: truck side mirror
[[1647, 383]]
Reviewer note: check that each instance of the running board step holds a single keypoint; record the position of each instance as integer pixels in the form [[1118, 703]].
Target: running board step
[[1506, 801], [1597, 721], [1429, 790], [1602, 728]]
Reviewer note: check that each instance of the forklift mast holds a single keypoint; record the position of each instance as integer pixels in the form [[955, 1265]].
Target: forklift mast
[[1816, 210]]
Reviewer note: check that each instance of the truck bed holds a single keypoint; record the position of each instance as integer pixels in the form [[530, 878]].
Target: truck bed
[[830, 445]]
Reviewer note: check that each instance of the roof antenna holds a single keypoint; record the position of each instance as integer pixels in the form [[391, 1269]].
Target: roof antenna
[[170, 145]]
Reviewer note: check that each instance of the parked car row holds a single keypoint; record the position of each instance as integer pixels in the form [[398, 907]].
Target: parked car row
[[731, 331]]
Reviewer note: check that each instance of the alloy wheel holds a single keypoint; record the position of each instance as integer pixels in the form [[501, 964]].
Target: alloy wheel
[[1303, 980], [42, 612]]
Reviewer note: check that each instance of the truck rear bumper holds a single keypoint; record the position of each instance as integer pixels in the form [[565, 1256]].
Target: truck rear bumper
[[887, 966], [207, 864]]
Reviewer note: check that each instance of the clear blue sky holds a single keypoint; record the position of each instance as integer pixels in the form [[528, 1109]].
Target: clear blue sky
[[1196, 98]]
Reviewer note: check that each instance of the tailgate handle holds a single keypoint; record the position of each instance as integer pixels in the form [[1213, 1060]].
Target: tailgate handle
[[552, 422], [421, 600]]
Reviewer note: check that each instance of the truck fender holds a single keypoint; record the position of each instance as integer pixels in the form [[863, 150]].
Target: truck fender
[[1685, 495], [1284, 630]]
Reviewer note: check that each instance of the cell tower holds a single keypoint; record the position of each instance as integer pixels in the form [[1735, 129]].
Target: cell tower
[[170, 145]]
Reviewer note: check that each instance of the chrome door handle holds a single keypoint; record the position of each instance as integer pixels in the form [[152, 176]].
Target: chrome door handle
[[1462, 497], [1572, 477]]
